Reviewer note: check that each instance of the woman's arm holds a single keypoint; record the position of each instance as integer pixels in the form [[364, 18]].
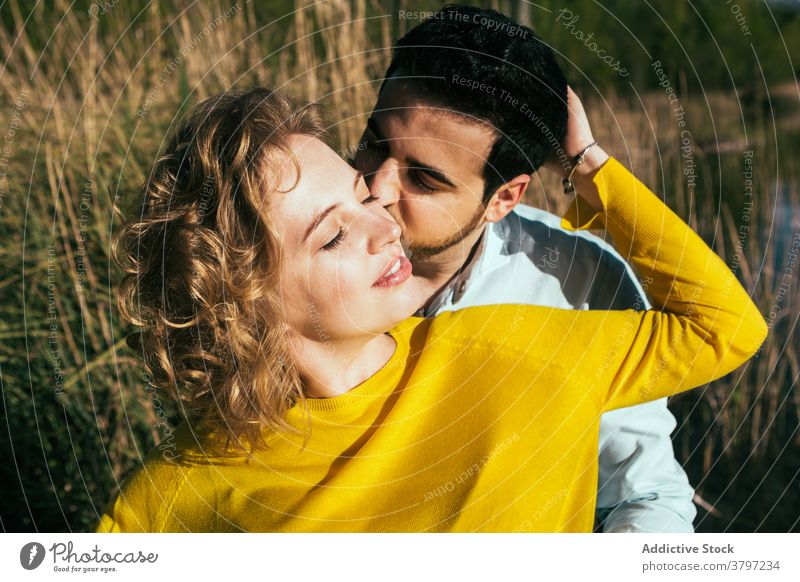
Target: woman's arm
[[704, 324]]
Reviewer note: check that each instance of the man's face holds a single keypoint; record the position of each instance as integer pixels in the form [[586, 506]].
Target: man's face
[[425, 165]]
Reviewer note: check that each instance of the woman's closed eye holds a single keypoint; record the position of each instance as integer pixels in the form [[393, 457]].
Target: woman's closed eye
[[335, 241], [340, 236]]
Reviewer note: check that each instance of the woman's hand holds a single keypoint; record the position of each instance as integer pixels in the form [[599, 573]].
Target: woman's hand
[[577, 137]]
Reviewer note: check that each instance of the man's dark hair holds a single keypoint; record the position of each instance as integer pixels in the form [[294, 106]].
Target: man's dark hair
[[449, 55]]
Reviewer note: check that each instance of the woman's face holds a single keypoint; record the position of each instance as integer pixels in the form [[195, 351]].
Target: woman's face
[[343, 271]]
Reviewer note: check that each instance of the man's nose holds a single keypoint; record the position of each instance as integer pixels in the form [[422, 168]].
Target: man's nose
[[384, 183]]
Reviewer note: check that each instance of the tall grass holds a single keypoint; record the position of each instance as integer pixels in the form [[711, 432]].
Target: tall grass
[[88, 99]]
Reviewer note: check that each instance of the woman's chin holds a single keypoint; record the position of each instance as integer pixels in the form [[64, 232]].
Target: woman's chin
[[406, 300], [412, 296]]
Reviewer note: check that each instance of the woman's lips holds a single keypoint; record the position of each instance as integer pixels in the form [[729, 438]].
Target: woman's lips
[[399, 271]]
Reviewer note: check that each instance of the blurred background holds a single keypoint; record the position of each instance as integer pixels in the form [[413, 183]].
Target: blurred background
[[699, 99]]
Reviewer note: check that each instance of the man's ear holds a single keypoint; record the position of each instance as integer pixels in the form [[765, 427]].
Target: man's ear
[[506, 198]]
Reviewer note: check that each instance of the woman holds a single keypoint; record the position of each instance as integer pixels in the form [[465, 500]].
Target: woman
[[274, 303]]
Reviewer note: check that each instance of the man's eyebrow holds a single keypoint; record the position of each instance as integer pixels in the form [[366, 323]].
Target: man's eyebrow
[[434, 173], [437, 175], [320, 217]]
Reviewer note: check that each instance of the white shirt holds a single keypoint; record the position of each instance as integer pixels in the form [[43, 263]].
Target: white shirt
[[528, 258]]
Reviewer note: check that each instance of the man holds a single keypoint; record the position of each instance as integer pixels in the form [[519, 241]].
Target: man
[[472, 105]]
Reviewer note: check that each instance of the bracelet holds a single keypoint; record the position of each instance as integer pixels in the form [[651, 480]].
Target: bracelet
[[569, 185]]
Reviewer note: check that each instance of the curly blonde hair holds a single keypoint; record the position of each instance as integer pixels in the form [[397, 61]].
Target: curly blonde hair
[[201, 264]]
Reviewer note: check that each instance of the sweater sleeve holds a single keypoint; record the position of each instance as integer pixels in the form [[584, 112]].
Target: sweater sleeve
[[703, 324]]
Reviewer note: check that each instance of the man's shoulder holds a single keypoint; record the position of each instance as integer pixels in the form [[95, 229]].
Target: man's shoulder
[[533, 213], [534, 231], [530, 258], [540, 223]]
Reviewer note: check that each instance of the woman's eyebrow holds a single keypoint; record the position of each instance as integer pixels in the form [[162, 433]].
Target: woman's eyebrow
[[321, 216]]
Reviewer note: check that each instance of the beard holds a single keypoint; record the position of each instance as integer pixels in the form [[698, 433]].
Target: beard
[[421, 251]]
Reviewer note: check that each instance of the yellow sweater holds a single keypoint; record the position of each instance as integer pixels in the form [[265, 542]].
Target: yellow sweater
[[484, 419]]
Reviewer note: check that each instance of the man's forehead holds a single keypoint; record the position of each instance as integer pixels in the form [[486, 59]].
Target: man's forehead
[[399, 116], [406, 95], [403, 96]]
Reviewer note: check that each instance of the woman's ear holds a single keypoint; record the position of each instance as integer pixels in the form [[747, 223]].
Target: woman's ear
[[506, 198]]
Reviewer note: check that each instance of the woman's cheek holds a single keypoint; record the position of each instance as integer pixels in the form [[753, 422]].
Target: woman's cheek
[[351, 277], [335, 278]]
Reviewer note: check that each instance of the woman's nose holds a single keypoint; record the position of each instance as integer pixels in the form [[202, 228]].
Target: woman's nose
[[383, 230]]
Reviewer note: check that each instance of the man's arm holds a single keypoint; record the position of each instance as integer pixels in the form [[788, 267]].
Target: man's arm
[[641, 487]]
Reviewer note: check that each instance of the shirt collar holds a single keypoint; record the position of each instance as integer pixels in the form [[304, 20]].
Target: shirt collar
[[485, 257]]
